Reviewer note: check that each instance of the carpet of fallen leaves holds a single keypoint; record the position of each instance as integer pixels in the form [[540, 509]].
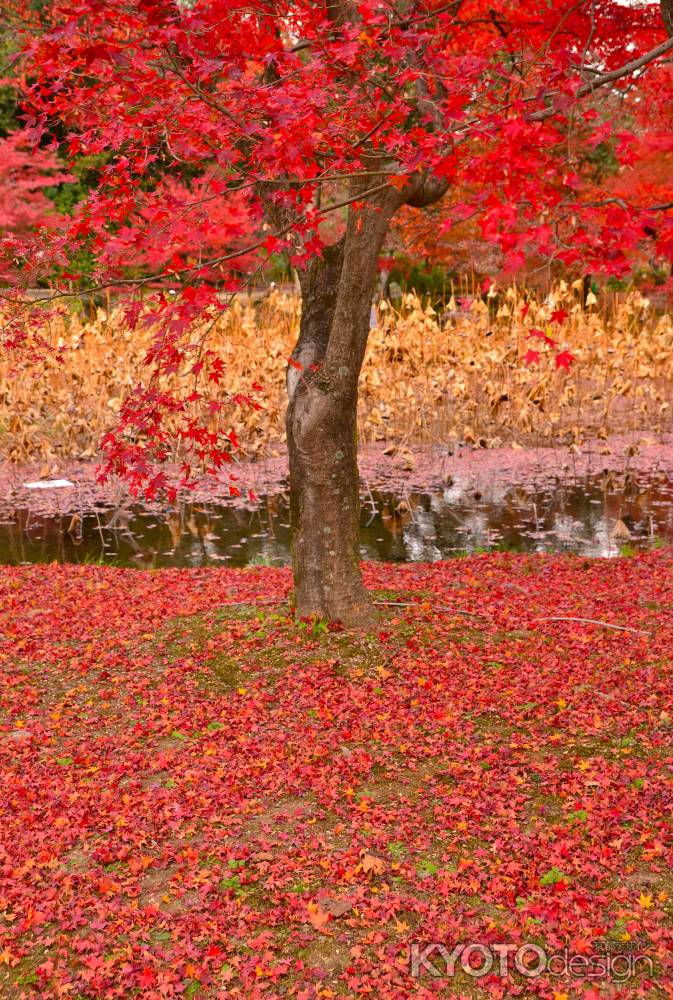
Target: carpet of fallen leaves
[[201, 797]]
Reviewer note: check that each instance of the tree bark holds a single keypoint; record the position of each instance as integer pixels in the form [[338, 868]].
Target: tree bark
[[325, 505], [667, 15], [322, 450], [321, 422]]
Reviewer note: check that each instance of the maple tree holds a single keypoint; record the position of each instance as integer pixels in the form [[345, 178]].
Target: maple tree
[[626, 164], [24, 175], [319, 122]]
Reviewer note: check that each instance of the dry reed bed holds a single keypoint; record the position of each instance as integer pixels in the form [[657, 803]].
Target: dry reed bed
[[427, 379]]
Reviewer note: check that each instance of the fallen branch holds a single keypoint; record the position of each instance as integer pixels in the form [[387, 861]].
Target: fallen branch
[[593, 621], [253, 602], [417, 604]]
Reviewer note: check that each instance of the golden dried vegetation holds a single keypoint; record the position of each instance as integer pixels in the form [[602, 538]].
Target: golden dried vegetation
[[428, 378]]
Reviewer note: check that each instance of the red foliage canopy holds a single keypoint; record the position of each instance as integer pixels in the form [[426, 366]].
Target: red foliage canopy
[[24, 174], [290, 113]]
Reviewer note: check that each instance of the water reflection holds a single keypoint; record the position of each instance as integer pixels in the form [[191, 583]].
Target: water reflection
[[594, 516]]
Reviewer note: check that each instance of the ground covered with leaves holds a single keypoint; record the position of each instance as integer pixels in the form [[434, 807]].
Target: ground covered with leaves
[[201, 797]]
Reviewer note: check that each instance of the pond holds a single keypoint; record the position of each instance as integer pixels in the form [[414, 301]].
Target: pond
[[594, 515]]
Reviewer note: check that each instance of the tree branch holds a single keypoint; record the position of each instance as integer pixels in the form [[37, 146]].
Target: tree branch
[[628, 69], [212, 262]]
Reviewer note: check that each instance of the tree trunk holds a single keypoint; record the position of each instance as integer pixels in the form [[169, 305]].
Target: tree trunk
[[321, 423], [667, 15], [322, 449], [325, 505]]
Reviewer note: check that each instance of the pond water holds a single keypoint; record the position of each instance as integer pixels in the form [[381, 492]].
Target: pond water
[[594, 515]]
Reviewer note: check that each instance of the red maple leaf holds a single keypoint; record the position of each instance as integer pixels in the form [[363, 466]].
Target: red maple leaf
[[564, 360], [147, 977], [541, 335]]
